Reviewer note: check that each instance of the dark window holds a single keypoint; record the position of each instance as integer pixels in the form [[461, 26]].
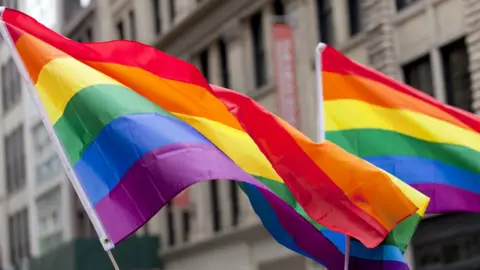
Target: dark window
[[157, 18], [214, 203], [186, 225], [172, 10], [15, 160], [120, 30], [235, 202], [325, 21], [418, 74], [354, 17], [19, 237], [401, 4], [170, 225], [222, 47], [439, 244], [11, 85], [278, 8], [133, 25], [88, 35], [457, 75], [204, 66], [256, 28]]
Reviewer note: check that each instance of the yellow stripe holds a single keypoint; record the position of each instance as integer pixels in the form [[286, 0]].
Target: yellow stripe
[[416, 197], [353, 114], [243, 151], [59, 81]]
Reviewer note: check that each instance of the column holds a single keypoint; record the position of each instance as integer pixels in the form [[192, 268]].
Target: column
[[104, 26], [472, 18], [201, 221], [435, 56]]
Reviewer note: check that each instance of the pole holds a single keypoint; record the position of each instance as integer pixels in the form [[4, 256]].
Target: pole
[[112, 259], [347, 253], [321, 124], [320, 106], [92, 214]]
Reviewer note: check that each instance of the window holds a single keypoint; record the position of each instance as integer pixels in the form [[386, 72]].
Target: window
[[204, 66], [440, 244], [15, 160], [325, 21], [83, 225], [19, 237], [354, 17], [186, 225], [278, 8], [11, 85], [171, 5], [256, 29], [88, 35], [214, 204], [48, 169], [133, 25], [157, 18], [418, 74], [234, 203], [120, 30], [85, 34], [49, 220], [170, 224], [50, 242], [457, 75], [41, 140], [222, 47], [401, 4]]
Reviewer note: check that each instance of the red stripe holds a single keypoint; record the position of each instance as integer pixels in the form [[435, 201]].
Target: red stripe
[[301, 175], [123, 52], [333, 61]]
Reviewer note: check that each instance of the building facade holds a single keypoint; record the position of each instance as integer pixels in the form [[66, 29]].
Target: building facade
[[433, 45]]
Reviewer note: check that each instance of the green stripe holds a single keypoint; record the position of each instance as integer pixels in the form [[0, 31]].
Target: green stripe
[[376, 142], [94, 107], [400, 236]]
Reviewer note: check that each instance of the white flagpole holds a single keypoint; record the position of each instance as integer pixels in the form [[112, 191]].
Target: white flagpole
[[92, 214], [321, 124]]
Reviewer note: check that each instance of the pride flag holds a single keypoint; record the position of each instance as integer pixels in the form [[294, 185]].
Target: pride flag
[[429, 145], [139, 126]]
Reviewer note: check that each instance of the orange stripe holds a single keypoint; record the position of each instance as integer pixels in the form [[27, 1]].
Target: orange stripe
[[196, 100], [35, 54], [340, 86], [333, 61], [329, 157]]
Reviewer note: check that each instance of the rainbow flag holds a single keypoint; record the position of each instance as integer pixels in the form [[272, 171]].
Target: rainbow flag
[[139, 126], [431, 146], [388, 255]]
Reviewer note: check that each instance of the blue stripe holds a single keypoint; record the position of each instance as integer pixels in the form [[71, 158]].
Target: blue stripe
[[357, 249], [122, 142], [270, 220], [417, 170]]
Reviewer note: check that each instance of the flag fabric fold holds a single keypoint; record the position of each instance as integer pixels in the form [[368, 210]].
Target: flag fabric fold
[[139, 126], [429, 145]]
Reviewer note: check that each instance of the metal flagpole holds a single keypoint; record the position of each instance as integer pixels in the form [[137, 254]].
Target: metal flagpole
[[112, 259], [105, 241], [321, 124]]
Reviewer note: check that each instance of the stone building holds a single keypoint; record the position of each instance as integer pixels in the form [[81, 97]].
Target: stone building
[[433, 45]]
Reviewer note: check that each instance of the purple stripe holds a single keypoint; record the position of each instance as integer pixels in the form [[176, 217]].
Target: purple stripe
[[446, 198], [156, 178], [161, 174], [319, 246]]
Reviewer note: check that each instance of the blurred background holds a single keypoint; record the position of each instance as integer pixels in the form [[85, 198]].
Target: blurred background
[[433, 45]]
